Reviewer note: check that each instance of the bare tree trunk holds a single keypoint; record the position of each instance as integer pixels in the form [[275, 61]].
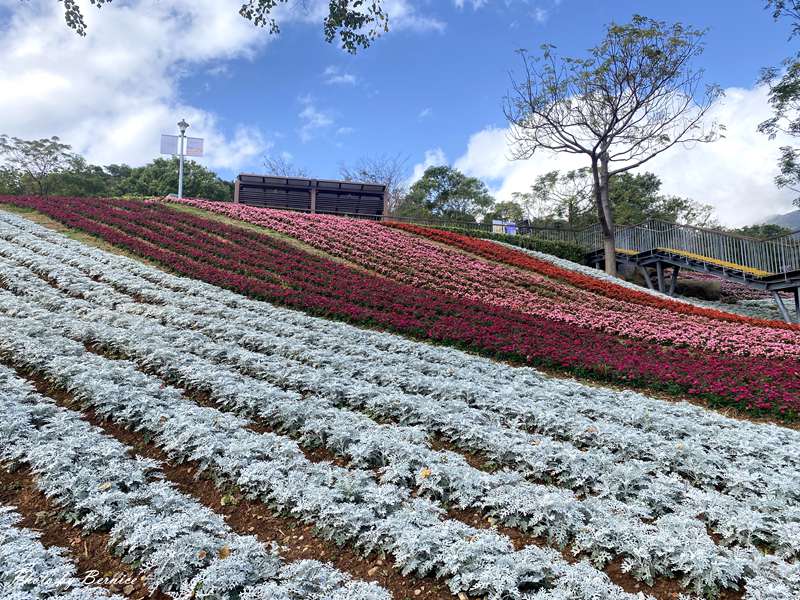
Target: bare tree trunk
[[604, 212]]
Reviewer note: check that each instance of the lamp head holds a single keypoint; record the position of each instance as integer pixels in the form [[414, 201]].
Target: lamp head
[[183, 125]]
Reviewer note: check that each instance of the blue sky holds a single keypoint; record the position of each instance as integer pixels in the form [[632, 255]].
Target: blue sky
[[430, 90], [417, 90]]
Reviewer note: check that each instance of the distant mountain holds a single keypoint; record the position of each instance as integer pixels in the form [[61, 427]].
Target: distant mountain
[[790, 220]]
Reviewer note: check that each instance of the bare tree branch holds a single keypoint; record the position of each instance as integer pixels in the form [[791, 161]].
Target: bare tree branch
[[633, 97]]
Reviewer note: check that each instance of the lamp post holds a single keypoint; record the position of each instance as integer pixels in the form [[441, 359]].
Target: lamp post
[[183, 126]]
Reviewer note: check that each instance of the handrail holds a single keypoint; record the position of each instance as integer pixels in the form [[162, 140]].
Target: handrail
[[779, 254]]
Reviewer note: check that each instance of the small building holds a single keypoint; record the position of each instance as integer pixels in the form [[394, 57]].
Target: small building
[[311, 195], [509, 227]]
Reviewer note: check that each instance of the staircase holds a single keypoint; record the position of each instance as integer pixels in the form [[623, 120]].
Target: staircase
[[771, 265]]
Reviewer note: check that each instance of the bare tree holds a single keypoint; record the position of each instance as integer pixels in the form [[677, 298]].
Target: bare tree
[[633, 97], [284, 167], [387, 170], [36, 159]]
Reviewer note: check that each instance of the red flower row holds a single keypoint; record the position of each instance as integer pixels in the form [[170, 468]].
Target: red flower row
[[270, 269], [423, 263], [496, 252]]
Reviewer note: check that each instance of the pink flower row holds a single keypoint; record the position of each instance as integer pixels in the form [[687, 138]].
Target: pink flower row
[[423, 263]]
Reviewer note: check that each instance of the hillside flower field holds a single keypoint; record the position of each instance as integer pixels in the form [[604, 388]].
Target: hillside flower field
[[674, 357], [467, 476]]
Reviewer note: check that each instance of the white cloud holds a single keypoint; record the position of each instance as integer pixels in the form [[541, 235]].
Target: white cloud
[[476, 4], [335, 76], [113, 92], [345, 130], [425, 113], [735, 174], [540, 15], [404, 16], [433, 158], [312, 119]]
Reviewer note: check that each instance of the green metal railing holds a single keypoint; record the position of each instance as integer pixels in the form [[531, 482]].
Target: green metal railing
[[780, 254]]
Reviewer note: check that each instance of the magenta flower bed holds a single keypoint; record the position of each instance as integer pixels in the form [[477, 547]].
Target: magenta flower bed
[[424, 264], [266, 268]]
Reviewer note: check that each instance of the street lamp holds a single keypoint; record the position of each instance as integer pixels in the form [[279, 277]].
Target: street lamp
[[183, 126]]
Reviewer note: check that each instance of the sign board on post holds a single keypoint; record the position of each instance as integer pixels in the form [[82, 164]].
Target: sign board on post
[[194, 146], [181, 146], [169, 144]]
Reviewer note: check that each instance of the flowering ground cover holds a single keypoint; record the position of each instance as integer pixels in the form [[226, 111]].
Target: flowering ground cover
[[735, 298], [520, 258], [266, 268], [541, 289], [683, 498]]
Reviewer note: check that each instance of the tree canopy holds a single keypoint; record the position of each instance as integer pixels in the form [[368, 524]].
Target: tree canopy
[[504, 211], [357, 23], [632, 97], [49, 166], [447, 193], [636, 198], [784, 97], [160, 177], [565, 199], [562, 197], [35, 161], [763, 230]]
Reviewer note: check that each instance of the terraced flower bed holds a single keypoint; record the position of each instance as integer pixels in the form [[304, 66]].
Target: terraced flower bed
[[267, 268], [618, 489], [521, 258], [538, 288]]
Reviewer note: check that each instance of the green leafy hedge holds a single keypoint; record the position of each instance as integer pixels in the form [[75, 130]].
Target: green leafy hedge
[[566, 250]]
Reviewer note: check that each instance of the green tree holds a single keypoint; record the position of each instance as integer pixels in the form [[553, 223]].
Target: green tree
[[160, 177], [636, 198], [355, 22], [35, 161], [448, 193], [762, 230], [10, 182], [79, 178], [784, 97], [560, 197], [504, 211], [633, 97], [566, 199]]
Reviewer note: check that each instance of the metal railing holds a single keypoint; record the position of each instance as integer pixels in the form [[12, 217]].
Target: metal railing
[[779, 254]]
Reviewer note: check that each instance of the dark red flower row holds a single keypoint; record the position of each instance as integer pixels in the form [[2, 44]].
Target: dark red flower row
[[496, 252], [268, 268]]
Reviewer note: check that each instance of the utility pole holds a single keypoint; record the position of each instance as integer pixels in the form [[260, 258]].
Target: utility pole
[[183, 126]]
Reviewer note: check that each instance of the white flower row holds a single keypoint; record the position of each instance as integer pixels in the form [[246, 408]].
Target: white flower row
[[745, 479], [600, 527], [768, 468], [29, 571], [773, 521], [431, 370], [184, 548], [346, 505]]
